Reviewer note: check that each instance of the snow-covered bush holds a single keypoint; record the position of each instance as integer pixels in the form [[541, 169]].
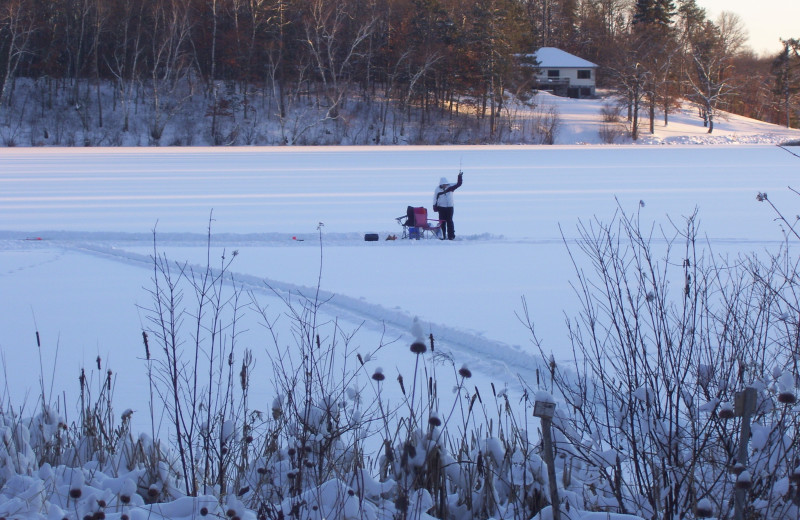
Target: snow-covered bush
[[669, 335]]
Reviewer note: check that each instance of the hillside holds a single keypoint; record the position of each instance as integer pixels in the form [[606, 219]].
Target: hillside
[[582, 122], [44, 116]]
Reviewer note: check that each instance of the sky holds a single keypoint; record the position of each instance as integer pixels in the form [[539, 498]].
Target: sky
[[766, 21]]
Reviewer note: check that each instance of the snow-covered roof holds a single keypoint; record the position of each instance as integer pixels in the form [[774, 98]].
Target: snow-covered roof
[[551, 57]]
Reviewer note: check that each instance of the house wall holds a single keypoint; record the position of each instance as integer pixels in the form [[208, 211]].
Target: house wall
[[567, 83], [571, 74]]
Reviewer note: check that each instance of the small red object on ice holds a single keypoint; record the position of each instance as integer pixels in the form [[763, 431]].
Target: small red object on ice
[[294, 238]]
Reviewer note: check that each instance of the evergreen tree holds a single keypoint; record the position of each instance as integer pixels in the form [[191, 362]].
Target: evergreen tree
[[658, 12], [786, 69]]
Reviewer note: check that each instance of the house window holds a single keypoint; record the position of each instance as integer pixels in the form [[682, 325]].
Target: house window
[[584, 74], [553, 73]]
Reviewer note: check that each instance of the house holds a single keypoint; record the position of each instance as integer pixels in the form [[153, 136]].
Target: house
[[564, 74]]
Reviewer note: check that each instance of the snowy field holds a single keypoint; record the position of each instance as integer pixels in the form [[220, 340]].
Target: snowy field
[[78, 224], [76, 235]]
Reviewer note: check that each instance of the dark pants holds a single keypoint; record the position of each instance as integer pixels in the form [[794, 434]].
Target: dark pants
[[446, 216]]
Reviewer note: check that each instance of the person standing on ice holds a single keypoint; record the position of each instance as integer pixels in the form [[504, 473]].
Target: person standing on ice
[[443, 205]]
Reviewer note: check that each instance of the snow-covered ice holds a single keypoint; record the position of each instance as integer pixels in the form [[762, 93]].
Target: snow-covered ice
[[76, 234]]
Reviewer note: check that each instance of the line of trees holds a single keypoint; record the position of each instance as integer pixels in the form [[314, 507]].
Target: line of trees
[[423, 55]]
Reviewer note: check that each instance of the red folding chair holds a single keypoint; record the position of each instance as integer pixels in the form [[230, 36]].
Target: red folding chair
[[433, 227], [416, 223]]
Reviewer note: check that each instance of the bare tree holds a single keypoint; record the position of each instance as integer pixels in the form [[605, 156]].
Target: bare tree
[[123, 61], [709, 81], [17, 25], [170, 62]]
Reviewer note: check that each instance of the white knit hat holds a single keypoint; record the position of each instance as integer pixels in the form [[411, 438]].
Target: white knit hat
[[442, 181]]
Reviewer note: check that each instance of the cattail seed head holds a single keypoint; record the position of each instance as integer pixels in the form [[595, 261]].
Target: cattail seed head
[[411, 451], [401, 503], [704, 509], [744, 481], [146, 345]]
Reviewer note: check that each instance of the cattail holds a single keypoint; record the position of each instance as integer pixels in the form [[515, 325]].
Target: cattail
[[411, 451], [744, 480], [146, 346], [794, 476], [98, 363], [737, 468], [704, 509], [401, 503]]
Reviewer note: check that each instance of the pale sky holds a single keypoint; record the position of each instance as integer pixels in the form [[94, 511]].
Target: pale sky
[[766, 20]]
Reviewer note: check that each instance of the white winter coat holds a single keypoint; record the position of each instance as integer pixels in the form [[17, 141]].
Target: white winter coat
[[445, 200], [441, 197]]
